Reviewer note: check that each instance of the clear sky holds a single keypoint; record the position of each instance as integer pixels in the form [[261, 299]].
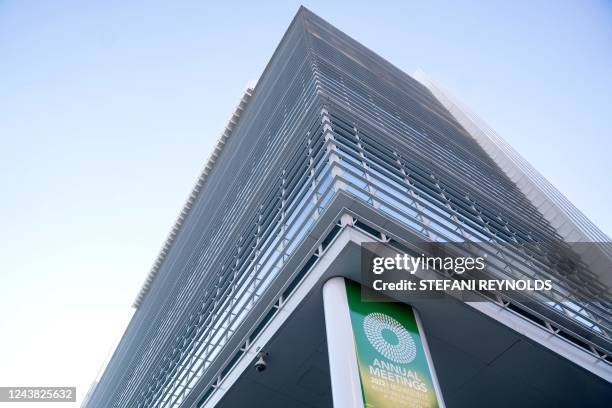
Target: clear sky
[[108, 111]]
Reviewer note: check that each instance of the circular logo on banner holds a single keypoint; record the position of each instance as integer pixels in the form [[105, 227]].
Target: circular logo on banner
[[389, 338]]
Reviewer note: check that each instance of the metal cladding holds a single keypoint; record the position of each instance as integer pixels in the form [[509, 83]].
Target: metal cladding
[[327, 117], [197, 188]]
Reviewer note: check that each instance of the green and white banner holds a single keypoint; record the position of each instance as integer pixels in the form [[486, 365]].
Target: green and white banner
[[391, 357]]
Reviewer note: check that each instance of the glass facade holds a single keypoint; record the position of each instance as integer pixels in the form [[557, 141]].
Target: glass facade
[[327, 117]]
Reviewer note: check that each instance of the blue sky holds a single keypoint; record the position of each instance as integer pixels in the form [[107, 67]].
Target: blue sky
[[108, 111]]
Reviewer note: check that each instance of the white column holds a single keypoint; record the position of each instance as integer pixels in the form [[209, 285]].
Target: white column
[[432, 370], [345, 382]]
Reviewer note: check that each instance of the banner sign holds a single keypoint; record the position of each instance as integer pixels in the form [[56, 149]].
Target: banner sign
[[393, 366]]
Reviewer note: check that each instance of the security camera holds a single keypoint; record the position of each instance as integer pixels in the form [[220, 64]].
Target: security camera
[[260, 363]]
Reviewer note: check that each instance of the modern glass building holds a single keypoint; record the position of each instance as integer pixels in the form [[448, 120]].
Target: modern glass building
[[332, 148]]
